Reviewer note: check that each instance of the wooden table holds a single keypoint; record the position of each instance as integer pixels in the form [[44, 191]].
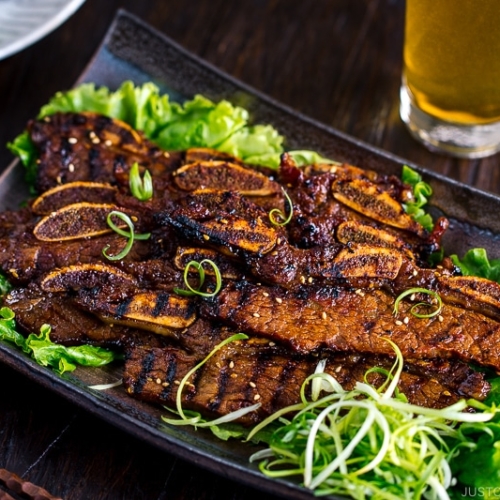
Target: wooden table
[[337, 61]]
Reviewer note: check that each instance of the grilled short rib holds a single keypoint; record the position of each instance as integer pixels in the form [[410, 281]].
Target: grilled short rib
[[256, 371], [322, 286]]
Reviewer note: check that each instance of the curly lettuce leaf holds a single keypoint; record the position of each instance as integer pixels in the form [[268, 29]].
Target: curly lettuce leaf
[[47, 353], [475, 262], [476, 464], [421, 192], [200, 122]]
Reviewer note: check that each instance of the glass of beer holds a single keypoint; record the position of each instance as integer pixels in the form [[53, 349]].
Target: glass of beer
[[450, 94]]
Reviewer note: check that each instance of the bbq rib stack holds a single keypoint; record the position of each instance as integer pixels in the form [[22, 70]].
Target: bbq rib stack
[[322, 286]]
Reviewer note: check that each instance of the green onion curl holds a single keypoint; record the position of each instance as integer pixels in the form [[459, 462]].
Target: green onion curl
[[130, 235], [284, 218], [415, 307], [141, 188], [201, 279]]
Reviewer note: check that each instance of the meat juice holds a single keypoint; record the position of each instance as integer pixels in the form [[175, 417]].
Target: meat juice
[[452, 59]]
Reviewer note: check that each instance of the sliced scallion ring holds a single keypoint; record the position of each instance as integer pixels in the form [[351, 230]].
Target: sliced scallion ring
[[284, 218], [141, 188], [130, 235], [414, 309], [198, 266]]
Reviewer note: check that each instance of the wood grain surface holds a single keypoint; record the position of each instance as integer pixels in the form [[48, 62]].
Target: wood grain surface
[[338, 61]]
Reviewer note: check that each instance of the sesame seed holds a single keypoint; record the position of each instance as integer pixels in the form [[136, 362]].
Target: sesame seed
[[166, 155], [149, 379], [72, 140], [59, 179], [108, 143], [446, 393], [412, 297], [324, 315], [338, 368], [256, 315], [206, 237], [231, 364], [158, 380], [399, 323], [134, 218], [310, 280], [302, 279], [165, 384], [272, 344], [71, 167], [274, 253], [224, 221], [234, 375], [278, 241], [14, 273], [415, 272], [360, 292], [47, 119], [406, 320], [265, 294], [96, 140], [256, 397], [440, 318], [279, 300], [252, 384], [92, 134], [177, 382]]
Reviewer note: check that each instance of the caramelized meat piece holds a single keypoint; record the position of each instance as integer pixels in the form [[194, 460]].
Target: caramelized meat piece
[[309, 321], [246, 372], [89, 147]]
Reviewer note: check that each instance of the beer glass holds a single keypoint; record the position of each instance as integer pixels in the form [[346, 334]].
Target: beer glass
[[450, 93]]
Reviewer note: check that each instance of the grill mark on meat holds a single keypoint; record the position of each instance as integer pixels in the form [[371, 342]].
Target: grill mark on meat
[[161, 302], [169, 378], [147, 365], [222, 383], [122, 307], [286, 372]]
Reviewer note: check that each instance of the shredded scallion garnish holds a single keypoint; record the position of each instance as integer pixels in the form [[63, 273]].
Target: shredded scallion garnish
[[130, 234], [198, 266], [141, 188], [105, 387], [437, 302], [284, 219], [366, 442]]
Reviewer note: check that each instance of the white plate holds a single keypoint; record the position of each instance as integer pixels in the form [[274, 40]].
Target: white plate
[[23, 22]]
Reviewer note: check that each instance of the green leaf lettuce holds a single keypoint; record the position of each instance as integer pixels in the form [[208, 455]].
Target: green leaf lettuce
[[46, 353], [421, 192]]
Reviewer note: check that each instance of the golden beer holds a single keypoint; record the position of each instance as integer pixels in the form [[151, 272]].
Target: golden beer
[[452, 65], [452, 58]]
